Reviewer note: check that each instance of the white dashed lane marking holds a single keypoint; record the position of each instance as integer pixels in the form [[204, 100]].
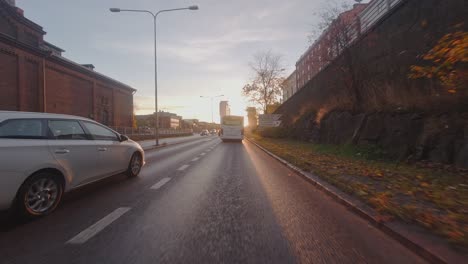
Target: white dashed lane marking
[[203, 154], [91, 231], [183, 167], [195, 159], [160, 183]]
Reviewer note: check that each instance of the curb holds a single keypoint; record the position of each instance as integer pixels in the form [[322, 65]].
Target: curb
[[158, 147], [411, 239]]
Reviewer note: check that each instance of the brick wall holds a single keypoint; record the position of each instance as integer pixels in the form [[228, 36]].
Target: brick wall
[[68, 94], [67, 90], [8, 80]]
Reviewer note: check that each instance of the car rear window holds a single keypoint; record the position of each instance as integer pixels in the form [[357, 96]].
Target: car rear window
[[22, 128]]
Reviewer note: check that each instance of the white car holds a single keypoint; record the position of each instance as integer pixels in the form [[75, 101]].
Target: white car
[[44, 155]]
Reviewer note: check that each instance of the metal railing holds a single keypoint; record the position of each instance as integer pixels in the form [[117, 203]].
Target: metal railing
[[374, 11], [131, 131], [368, 18]]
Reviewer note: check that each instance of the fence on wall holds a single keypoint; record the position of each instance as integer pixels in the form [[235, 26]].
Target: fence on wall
[[372, 14], [364, 22]]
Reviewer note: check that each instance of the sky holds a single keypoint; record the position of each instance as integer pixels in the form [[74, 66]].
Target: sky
[[200, 53]]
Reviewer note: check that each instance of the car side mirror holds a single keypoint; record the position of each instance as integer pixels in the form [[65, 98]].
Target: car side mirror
[[123, 138]]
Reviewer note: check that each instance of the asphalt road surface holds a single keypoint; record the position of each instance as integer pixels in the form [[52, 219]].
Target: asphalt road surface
[[203, 201]]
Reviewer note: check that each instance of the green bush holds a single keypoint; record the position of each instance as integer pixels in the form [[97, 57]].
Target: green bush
[[273, 132]]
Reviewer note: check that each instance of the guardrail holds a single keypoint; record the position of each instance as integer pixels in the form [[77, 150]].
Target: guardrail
[[140, 131]]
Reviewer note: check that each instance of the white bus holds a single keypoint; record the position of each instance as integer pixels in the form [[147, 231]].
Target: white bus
[[232, 128]]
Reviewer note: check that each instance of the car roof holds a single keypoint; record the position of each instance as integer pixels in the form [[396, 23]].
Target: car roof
[[16, 114]]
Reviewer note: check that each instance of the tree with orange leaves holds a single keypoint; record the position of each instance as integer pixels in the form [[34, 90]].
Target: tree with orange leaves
[[446, 61]]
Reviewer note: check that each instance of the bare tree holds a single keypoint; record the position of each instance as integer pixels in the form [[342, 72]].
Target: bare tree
[[265, 88], [326, 16], [335, 31]]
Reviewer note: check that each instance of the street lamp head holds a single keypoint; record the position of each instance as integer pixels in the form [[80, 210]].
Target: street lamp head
[[115, 10], [193, 7]]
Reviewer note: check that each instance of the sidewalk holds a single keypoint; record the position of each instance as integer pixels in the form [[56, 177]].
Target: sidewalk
[[150, 144]]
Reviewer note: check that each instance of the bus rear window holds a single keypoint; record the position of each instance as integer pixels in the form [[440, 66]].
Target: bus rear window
[[232, 121]]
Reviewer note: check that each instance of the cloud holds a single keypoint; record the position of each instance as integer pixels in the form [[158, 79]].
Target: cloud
[[206, 49]]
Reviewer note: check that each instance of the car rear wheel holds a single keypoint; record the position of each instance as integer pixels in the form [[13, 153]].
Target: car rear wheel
[[40, 195], [134, 167]]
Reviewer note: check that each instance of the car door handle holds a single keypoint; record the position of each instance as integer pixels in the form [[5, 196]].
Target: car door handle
[[102, 149], [62, 151]]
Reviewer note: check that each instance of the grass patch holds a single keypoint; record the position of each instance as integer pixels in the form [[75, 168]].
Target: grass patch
[[435, 198]]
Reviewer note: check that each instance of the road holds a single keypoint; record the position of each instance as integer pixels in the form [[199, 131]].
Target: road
[[148, 144], [202, 201]]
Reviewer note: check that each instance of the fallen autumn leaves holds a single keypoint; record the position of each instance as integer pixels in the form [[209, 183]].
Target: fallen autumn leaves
[[432, 197]]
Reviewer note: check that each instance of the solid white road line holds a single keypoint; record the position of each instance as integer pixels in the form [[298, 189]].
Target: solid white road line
[[183, 167], [195, 159], [160, 183], [91, 231]]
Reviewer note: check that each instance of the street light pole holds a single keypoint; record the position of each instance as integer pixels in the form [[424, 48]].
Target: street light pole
[[155, 15], [156, 113], [212, 97]]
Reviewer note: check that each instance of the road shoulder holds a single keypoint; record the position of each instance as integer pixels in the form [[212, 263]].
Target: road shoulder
[[426, 245]]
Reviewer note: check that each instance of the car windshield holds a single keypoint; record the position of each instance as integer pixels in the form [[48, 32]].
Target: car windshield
[[246, 131]]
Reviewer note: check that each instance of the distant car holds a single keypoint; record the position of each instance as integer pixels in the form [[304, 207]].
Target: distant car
[[146, 130], [44, 155], [204, 133], [213, 132]]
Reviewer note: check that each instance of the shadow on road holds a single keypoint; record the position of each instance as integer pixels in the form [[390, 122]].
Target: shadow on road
[[10, 219]]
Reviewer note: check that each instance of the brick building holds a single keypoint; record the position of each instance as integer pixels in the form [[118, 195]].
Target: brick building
[[166, 120], [328, 45], [34, 76], [289, 86], [169, 120], [252, 117]]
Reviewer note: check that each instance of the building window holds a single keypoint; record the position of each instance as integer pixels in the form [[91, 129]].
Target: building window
[[31, 39], [6, 27], [105, 117]]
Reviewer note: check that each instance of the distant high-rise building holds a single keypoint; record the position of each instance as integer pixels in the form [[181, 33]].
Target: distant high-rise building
[[289, 87], [224, 109], [252, 116]]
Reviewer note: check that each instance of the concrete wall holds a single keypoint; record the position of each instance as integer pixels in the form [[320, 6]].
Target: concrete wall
[[366, 93]]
